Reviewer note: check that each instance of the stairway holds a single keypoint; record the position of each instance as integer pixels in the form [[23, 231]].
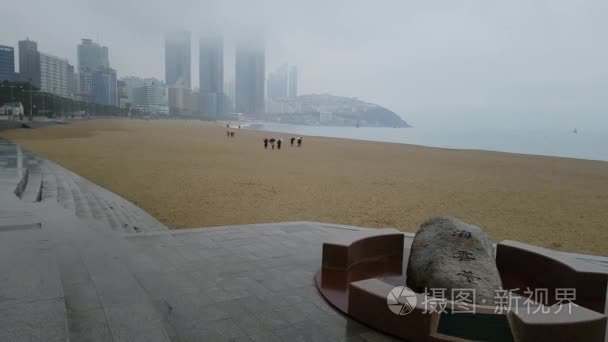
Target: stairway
[[33, 187], [92, 202], [32, 302]]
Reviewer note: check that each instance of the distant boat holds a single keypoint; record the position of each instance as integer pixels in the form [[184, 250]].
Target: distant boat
[[575, 131]]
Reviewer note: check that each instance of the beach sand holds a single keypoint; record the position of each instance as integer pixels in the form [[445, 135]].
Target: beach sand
[[189, 174]]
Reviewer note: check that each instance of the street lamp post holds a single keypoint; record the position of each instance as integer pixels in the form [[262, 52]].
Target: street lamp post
[[31, 104], [43, 96], [54, 97]]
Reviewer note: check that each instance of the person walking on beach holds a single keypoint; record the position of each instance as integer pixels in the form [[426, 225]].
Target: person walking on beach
[[272, 140], [292, 140], [265, 143], [299, 141], [279, 142]]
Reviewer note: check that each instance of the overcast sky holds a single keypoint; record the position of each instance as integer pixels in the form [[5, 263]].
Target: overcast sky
[[452, 62]]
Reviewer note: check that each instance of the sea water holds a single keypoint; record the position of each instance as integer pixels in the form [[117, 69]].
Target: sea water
[[560, 142]]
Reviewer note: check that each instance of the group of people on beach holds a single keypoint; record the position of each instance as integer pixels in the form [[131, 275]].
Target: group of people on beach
[[279, 142], [229, 133]]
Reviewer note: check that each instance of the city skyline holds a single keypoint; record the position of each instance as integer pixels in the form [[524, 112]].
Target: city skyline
[[463, 64]]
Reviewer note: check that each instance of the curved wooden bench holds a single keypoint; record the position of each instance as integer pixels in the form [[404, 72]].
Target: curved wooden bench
[[523, 266], [580, 324], [368, 246], [369, 254], [357, 274], [368, 304]]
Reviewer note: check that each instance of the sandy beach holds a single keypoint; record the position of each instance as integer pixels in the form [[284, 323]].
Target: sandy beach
[[189, 174]]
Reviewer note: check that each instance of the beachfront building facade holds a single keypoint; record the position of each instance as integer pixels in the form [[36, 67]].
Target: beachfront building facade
[[282, 83], [292, 89], [177, 59], [104, 87], [72, 84], [151, 98], [180, 101], [29, 62], [277, 83], [7, 63], [211, 76], [54, 74], [250, 77], [91, 56]]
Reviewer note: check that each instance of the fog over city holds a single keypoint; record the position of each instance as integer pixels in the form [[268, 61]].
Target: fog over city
[[455, 63]]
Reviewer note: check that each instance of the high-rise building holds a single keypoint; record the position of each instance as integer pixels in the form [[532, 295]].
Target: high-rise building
[[211, 75], [91, 56], [7, 63], [71, 80], [180, 101], [249, 77], [53, 74], [104, 87], [293, 82], [151, 97], [195, 100], [278, 83], [29, 62], [177, 59]]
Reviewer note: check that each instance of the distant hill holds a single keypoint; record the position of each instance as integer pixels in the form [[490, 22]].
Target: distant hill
[[328, 109]]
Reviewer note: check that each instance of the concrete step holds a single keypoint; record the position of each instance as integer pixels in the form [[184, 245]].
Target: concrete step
[[89, 200], [64, 195], [105, 300], [49, 184], [100, 210], [33, 188], [133, 218], [32, 302], [81, 207]]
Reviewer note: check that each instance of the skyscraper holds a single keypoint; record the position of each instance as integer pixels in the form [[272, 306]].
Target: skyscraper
[[71, 80], [177, 59], [91, 56], [53, 74], [104, 87], [250, 75], [151, 97], [278, 83], [29, 62], [7, 63], [293, 82], [211, 75]]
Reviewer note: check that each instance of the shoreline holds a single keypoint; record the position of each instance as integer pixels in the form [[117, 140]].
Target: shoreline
[[391, 129], [189, 174]]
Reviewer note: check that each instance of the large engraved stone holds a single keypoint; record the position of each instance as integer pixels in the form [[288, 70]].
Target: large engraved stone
[[450, 254]]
